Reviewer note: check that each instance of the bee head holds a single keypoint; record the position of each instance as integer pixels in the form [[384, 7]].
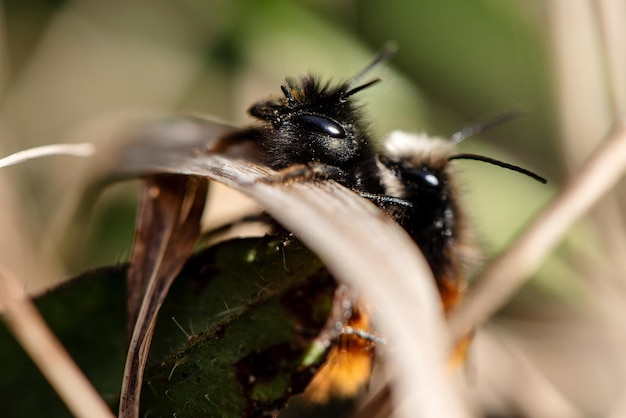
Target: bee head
[[316, 121], [416, 166], [313, 122]]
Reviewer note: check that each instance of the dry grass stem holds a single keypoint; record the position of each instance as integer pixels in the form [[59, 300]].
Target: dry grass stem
[[76, 150], [505, 275]]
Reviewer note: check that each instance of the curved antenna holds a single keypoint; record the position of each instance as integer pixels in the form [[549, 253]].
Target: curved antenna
[[499, 163], [357, 89], [383, 55], [475, 129]]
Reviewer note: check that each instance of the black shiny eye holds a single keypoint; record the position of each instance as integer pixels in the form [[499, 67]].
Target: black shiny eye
[[320, 125], [423, 177]]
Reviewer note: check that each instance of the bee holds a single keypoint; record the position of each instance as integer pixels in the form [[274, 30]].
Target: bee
[[418, 171], [420, 186], [317, 131]]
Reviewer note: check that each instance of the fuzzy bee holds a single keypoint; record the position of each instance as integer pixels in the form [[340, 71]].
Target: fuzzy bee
[[418, 171], [316, 129]]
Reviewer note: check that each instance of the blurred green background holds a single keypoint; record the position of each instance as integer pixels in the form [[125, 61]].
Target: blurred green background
[[79, 71], [71, 70]]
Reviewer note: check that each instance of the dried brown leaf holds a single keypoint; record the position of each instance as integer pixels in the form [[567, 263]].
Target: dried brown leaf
[[168, 226]]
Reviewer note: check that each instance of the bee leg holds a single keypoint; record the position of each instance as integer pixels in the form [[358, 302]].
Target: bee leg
[[342, 318], [384, 200], [348, 365], [348, 330], [344, 302]]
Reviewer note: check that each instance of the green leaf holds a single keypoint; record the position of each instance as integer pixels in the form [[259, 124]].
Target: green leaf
[[230, 339]]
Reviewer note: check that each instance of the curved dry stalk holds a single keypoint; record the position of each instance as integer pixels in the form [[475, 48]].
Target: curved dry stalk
[[29, 328], [599, 175], [76, 150]]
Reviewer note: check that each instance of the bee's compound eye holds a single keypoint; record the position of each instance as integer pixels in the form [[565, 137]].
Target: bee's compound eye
[[424, 178], [320, 124]]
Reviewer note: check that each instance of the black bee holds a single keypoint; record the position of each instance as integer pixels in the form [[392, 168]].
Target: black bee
[[318, 129], [416, 169]]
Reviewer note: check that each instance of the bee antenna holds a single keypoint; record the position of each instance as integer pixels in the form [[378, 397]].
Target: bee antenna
[[383, 55], [288, 95], [357, 89], [475, 129], [499, 163]]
